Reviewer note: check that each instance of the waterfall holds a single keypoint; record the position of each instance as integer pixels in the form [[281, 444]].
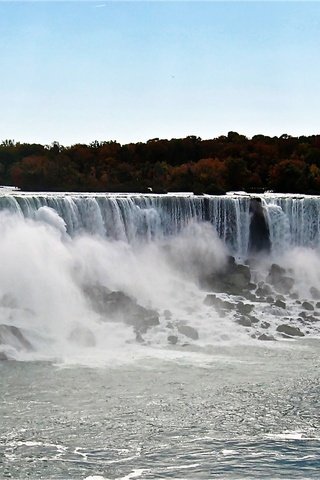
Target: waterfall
[[293, 220], [105, 272]]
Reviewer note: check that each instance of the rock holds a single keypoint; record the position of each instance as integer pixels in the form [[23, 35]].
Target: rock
[[281, 297], [307, 306], [259, 235], [286, 285], [234, 279], [139, 337], [98, 296], [167, 314], [318, 305], [311, 318], [188, 331], [279, 280], [3, 357], [315, 293], [244, 308], [290, 330], [279, 303], [294, 295], [244, 321], [270, 299], [275, 273], [172, 339], [213, 300], [118, 306], [253, 319], [82, 336], [266, 338], [265, 325], [13, 336], [263, 290]]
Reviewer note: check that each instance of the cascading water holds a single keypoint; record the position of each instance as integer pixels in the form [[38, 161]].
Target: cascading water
[[93, 275]]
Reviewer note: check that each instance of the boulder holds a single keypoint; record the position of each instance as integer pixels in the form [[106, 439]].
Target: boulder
[[279, 303], [244, 308], [10, 335], [279, 280], [263, 290], [244, 321], [172, 339], [118, 306], [290, 330], [3, 357], [188, 331], [234, 279], [266, 338], [219, 303], [82, 336], [315, 293], [307, 306], [265, 325]]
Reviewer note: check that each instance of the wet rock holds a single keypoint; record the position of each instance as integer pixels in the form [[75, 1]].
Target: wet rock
[[244, 321], [235, 279], [139, 338], [244, 308], [172, 339], [3, 357], [82, 336], [259, 235], [265, 325], [290, 330], [263, 290], [315, 293], [279, 280], [318, 305], [117, 306], [167, 314], [294, 296], [253, 319], [307, 306], [13, 336], [270, 299], [275, 273], [219, 303], [311, 319], [188, 331], [280, 304], [281, 297], [266, 338]]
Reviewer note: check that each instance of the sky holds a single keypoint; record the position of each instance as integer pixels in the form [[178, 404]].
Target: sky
[[75, 72]]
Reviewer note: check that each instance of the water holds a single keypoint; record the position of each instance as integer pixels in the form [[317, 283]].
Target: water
[[240, 413], [119, 367]]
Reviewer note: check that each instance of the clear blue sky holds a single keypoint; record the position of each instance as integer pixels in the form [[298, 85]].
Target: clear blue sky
[[130, 71]]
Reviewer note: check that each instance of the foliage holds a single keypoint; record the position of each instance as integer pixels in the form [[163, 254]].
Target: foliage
[[231, 162]]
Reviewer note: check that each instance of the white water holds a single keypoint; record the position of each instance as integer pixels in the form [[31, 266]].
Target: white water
[[153, 249], [43, 272]]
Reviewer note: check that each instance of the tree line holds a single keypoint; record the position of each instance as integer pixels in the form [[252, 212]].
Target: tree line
[[233, 162]]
